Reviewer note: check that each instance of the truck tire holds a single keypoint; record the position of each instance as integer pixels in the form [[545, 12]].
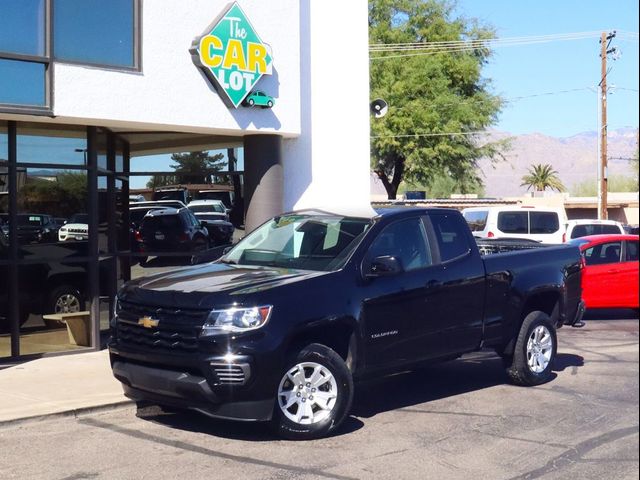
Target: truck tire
[[64, 299], [314, 395], [535, 351]]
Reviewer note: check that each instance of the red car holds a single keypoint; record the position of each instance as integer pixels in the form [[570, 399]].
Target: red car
[[610, 276]]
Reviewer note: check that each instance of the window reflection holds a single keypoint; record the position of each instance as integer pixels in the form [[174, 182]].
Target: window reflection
[[52, 205], [53, 305], [38, 144], [94, 31], [22, 27], [22, 83]]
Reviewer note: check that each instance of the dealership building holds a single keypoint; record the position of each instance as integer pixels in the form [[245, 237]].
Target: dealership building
[[92, 93]]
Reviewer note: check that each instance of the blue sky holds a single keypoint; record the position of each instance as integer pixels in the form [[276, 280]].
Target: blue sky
[[523, 70]]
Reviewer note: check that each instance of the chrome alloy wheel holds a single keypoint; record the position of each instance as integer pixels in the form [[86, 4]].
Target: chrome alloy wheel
[[307, 393], [67, 303], [539, 349]]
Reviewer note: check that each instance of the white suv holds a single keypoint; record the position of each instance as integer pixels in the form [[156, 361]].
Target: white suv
[[589, 226], [542, 224]]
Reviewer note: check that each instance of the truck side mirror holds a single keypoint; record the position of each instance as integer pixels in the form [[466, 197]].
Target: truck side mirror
[[384, 266]]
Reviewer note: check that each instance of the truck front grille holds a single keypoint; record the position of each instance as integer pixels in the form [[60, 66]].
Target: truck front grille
[[176, 329]]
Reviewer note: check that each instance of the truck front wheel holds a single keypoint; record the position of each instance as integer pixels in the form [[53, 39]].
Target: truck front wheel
[[535, 351], [314, 395]]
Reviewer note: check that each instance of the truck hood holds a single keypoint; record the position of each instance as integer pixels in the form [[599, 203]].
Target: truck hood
[[209, 285]]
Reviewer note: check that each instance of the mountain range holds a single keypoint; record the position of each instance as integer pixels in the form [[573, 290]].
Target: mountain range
[[575, 159]]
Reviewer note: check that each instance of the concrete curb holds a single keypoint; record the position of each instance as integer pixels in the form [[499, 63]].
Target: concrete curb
[[67, 413]]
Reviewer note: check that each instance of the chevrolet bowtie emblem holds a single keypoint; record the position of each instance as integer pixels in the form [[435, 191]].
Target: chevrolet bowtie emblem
[[148, 322]]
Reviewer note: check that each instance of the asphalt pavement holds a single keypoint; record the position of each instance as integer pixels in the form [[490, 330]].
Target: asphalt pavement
[[455, 420]]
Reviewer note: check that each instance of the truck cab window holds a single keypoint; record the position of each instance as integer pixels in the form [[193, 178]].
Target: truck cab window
[[452, 241], [406, 240]]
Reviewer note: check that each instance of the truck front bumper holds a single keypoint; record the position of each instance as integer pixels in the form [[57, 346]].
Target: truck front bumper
[[183, 389]]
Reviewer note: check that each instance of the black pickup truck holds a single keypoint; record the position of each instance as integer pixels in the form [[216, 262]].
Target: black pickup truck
[[280, 327]]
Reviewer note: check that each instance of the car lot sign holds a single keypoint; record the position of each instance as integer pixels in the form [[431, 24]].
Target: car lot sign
[[232, 55]]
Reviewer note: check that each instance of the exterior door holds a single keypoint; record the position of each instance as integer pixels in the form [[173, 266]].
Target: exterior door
[[459, 292], [602, 284], [398, 310]]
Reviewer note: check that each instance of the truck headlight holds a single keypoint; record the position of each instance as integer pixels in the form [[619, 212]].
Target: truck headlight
[[236, 320]]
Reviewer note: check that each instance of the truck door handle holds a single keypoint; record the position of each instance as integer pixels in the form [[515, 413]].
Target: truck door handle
[[434, 284]]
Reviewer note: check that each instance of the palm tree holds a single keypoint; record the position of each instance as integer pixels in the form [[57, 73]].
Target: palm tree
[[541, 177]]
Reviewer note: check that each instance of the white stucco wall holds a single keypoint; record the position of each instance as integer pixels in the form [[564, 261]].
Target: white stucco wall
[[170, 92], [320, 81], [328, 165]]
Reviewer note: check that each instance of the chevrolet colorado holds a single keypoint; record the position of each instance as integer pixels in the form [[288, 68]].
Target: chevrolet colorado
[[279, 328]]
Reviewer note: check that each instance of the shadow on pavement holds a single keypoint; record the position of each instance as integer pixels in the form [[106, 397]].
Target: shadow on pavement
[[566, 360], [397, 391], [611, 314], [427, 384], [247, 431], [371, 397]]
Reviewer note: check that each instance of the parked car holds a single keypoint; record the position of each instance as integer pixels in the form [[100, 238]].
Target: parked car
[[586, 227], [259, 99], [281, 326], [610, 277], [136, 214], [631, 229], [215, 209], [172, 193], [33, 228], [159, 203], [223, 193], [220, 232], [76, 229], [136, 198], [171, 230], [543, 224]]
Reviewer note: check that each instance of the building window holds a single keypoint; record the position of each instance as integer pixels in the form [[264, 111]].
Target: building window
[[95, 32], [22, 27], [22, 83]]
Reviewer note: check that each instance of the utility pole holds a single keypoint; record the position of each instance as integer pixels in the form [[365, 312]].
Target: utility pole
[[605, 40]]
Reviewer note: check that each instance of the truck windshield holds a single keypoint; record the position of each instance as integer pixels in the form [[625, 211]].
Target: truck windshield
[[307, 242]]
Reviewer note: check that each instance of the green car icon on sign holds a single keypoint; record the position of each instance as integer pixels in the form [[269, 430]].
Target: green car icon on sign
[[258, 99]]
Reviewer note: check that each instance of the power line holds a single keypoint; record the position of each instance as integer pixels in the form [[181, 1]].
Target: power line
[[508, 99], [433, 48], [448, 43]]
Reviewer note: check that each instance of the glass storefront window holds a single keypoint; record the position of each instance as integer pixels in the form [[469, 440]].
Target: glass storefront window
[[48, 289], [51, 217], [40, 144], [22, 27], [94, 31], [22, 83]]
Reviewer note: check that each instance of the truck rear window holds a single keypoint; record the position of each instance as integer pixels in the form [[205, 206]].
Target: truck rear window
[[477, 220]]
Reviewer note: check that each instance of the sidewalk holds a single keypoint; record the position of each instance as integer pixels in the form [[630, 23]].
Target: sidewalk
[[56, 385]]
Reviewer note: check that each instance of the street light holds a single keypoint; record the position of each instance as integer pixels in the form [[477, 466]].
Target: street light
[[84, 154]]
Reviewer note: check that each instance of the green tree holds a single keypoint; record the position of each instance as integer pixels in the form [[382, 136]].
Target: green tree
[[635, 166], [429, 95], [615, 183], [191, 167], [541, 177]]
